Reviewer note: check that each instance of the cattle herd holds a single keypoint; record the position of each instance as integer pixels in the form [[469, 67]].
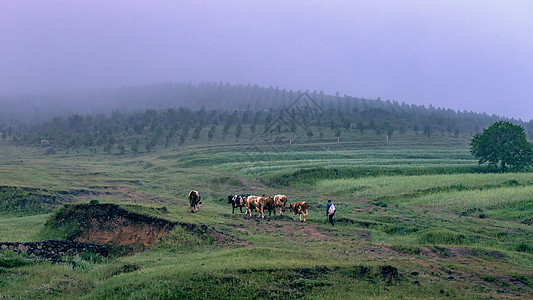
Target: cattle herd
[[257, 205]]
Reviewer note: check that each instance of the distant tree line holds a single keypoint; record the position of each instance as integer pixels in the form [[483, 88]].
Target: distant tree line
[[243, 109]]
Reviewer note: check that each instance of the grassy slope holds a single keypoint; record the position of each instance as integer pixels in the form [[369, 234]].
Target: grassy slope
[[381, 221]]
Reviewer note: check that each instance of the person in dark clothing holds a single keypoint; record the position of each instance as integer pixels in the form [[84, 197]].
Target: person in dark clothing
[[330, 211]]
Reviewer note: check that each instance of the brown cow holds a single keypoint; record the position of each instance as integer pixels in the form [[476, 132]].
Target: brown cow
[[194, 201], [268, 203], [300, 208], [280, 201]]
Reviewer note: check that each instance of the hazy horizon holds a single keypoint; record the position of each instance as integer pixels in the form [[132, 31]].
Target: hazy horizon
[[473, 56]]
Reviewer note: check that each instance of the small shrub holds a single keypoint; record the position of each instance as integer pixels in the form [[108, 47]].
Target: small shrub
[[359, 272], [401, 229], [91, 257], [441, 250], [524, 247], [468, 212], [381, 204], [513, 182], [482, 216], [12, 262], [94, 201]]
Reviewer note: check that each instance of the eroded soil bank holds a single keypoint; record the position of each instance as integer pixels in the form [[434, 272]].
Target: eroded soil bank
[[109, 224]]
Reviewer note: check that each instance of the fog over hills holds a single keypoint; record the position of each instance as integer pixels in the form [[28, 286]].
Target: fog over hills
[[464, 55], [167, 107], [34, 108]]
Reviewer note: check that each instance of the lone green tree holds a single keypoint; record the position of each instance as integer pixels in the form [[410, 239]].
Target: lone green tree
[[503, 145]]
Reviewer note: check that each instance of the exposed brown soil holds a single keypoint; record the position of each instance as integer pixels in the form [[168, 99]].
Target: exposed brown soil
[[122, 232], [112, 225], [109, 224]]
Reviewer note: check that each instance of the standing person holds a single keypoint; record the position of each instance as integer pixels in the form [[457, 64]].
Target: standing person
[[330, 211]]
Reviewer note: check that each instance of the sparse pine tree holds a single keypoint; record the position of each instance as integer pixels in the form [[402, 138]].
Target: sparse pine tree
[[252, 130], [428, 131], [238, 131], [225, 130], [293, 125], [196, 133], [107, 149], [211, 132], [135, 146], [389, 130], [360, 126]]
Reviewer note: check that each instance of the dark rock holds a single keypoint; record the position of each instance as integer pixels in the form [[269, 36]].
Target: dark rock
[[52, 249]]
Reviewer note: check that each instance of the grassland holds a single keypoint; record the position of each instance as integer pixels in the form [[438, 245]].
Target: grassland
[[412, 222]]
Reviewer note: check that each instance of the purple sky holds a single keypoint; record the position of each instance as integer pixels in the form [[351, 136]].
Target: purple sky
[[473, 55]]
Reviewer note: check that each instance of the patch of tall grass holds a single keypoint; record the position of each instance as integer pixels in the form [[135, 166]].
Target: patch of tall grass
[[21, 229], [404, 187], [442, 237], [501, 198]]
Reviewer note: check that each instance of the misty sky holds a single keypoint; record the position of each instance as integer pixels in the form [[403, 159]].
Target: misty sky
[[473, 55]]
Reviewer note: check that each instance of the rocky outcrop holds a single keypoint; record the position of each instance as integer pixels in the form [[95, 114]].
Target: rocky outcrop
[[51, 249]]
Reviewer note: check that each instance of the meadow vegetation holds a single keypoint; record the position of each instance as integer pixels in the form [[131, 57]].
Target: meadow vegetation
[[417, 218]]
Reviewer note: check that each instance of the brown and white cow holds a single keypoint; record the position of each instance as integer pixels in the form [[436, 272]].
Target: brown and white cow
[[260, 203], [252, 202], [194, 200], [300, 208], [280, 201]]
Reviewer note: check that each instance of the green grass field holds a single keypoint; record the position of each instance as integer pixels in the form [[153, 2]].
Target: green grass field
[[412, 222]]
